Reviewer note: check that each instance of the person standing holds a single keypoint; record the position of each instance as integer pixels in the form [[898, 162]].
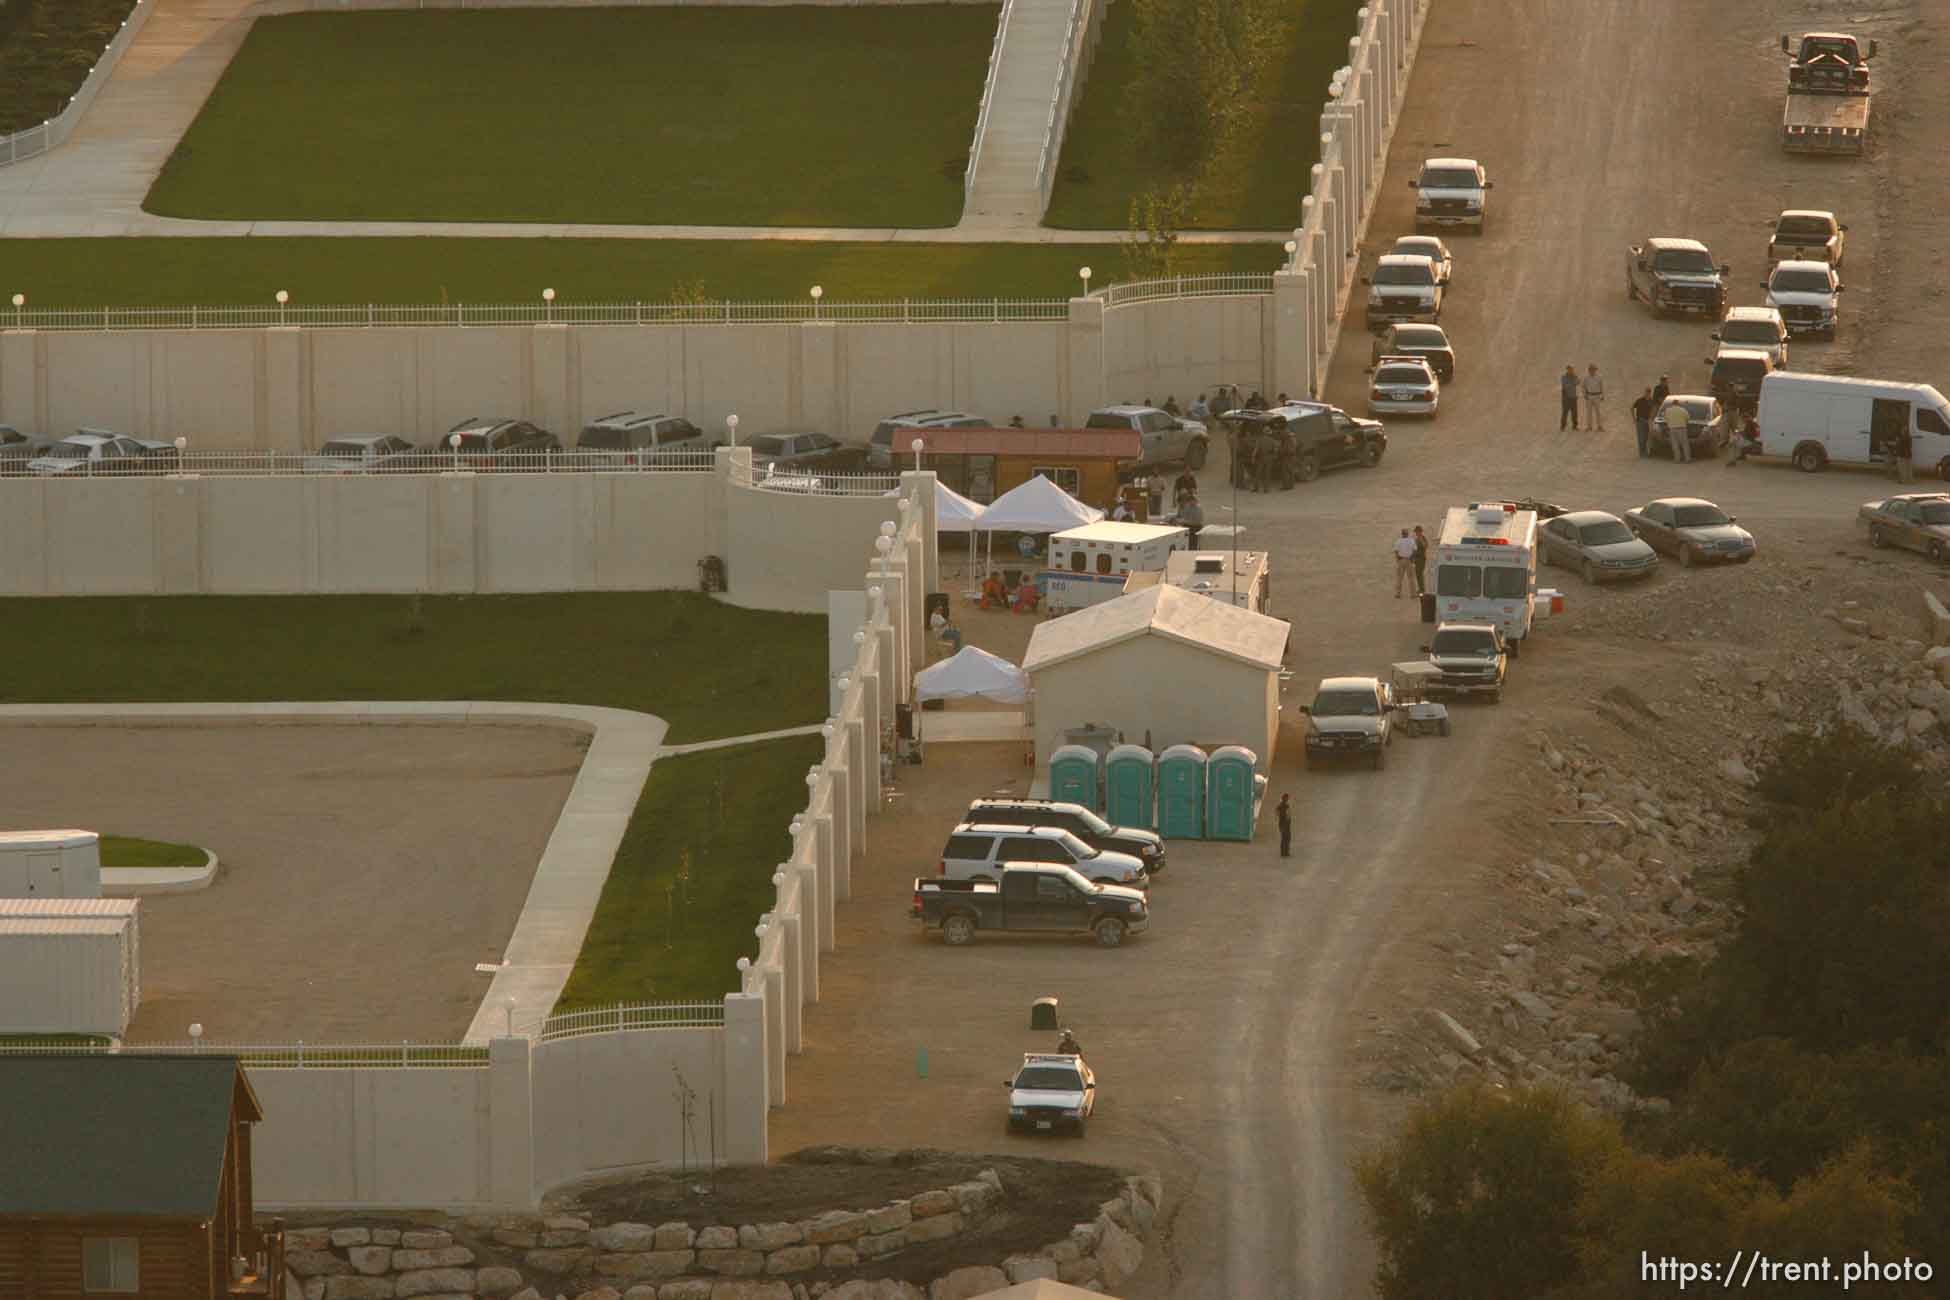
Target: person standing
[[1199, 409], [1567, 388], [1679, 432], [1285, 813], [1191, 517], [1421, 560], [1171, 404], [1265, 449], [1185, 485], [1660, 392], [1905, 448], [1594, 400], [1642, 421], [1404, 562]]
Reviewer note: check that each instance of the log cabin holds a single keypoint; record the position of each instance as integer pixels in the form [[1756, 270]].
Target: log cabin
[[130, 1174]]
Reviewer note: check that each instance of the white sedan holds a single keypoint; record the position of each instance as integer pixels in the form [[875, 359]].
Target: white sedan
[[1404, 386]]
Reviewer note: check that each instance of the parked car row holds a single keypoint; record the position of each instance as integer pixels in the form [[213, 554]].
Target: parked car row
[[88, 451], [1040, 864], [1603, 547], [1412, 359]]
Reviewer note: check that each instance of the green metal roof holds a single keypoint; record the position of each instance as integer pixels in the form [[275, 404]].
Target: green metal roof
[[116, 1134]]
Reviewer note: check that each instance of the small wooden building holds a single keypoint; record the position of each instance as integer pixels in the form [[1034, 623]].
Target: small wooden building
[[130, 1174], [982, 464]]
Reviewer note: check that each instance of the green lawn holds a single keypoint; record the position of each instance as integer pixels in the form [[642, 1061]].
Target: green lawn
[[47, 48], [128, 851], [1102, 167], [814, 116], [708, 669], [185, 272], [692, 876]]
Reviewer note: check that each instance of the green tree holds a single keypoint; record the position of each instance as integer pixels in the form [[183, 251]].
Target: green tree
[[1478, 1198]]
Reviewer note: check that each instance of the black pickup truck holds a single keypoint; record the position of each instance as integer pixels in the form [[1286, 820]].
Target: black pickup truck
[[1054, 900]]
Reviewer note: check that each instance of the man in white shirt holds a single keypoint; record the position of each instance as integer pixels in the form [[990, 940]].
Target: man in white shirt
[[1594, 400], [1404, 563]]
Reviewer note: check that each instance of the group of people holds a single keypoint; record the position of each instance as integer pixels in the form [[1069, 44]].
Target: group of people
[[1411, 562], [1257, 453], [995, 595]]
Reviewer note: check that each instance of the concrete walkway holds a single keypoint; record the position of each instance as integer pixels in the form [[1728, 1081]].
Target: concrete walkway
[[94, 184], [732, 742], [1005, 195]]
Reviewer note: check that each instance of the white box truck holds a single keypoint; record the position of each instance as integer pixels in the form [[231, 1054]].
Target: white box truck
[[1088, 565], [1485, 569], [69, 965], [1821, 420], [50, 864]]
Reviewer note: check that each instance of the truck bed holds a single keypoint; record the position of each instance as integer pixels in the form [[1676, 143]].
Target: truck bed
[[1816, 123]]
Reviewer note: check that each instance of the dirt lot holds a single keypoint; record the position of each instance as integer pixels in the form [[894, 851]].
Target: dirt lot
[[356, 863], [1231, 1042]]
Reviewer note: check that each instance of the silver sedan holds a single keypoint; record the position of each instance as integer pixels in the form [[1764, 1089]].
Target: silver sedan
[[1599, 546]]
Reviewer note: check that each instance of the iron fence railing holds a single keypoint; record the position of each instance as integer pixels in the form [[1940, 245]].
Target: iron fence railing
[[811, 481], [1211, 285], [1057, 120], [31, 142], [283, 1056], [631, 1016], [319, 464], [988, 98]]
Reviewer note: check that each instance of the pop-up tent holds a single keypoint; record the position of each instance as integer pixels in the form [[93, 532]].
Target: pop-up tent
[[953, 512], [972, 672], [1038, 506]]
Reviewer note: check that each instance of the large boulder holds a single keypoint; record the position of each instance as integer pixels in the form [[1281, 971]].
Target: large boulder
[[498, 1282], [436, 1281], [314, 1263], [620, 1237], [442, 1257], [967, 1283], [769, 1236]]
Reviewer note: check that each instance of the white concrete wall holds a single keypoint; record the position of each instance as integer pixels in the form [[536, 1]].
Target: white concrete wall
[[1183, 695], [605, 1101], [1182, 346], [377, 1137]]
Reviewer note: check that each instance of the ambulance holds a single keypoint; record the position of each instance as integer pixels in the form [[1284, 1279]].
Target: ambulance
[[1484, 570]]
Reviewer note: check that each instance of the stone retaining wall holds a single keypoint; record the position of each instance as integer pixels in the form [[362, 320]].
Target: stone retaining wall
[[536, 1257]]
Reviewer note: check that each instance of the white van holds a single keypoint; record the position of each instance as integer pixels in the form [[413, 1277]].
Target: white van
[[1486, 569], [1818, 420]]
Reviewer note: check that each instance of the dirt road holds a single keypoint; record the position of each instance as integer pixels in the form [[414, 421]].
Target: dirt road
[[1225, 1039], [359, 881]]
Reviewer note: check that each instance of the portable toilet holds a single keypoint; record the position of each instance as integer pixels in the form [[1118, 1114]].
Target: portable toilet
[[1073, 776], [1128, 781], [1231, 793], [1181, 793]]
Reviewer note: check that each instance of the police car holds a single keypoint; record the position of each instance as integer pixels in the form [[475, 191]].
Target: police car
[[1404, 385], [1051, 1093]]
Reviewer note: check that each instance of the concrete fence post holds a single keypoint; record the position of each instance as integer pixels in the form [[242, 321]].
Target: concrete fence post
[[918, 486], [817, 935], [1293, 347], [511, 1125], [743, 1087], [795, 976], [824, 841], [775, 1044], [1084, 349], [839, 881], [863, 786]]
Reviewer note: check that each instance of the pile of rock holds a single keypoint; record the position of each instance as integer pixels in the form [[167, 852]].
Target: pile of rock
[[527, 1257]]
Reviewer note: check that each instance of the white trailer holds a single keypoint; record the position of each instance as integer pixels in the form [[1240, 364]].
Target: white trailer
[[50, 864], [69, 965], [1088, 565], [1486, 569]]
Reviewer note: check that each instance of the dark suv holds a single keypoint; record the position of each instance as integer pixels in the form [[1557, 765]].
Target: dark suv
[[1147, 847], [1314, 436]]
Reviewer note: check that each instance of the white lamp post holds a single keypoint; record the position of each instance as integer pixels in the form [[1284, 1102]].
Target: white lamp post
[[917, 447], [453, 440], [282, 298], [1083, 272], [817, 294], [1292, 250], [20, 300], [548, 304], [731, 423], [181, 443]]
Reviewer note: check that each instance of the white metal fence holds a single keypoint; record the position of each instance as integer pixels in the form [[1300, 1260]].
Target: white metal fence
[[281, 1056], [988, 98], [37, 140], [377, 315], [1215, 284], [631, 1016], [809, 481]]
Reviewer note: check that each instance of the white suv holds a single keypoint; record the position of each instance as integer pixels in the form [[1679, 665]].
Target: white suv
[[978, 852], [1453, 192]]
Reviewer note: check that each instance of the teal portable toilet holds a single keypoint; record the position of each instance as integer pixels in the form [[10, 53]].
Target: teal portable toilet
[[1128, 786], [1181, 793], [1231, 793], [1073, 776]]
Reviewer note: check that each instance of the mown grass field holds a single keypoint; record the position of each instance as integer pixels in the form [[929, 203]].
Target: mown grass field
[[708, 669], [222, 272], [47, 48], [1261, 181], [692, 876], [814, 116], [131, 851]]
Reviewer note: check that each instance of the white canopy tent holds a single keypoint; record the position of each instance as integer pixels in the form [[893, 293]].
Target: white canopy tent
[[953, 512], [970, 672], [1038, 506]]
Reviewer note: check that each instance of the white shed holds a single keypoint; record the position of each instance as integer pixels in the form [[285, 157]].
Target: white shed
[[50, 864], [69, 965], [1183, 667]]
